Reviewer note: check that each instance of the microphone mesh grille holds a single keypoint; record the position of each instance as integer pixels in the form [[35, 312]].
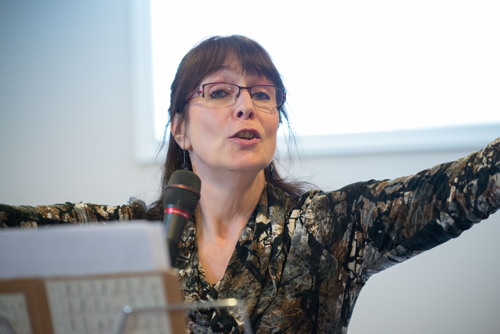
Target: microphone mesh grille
[[183, 190]]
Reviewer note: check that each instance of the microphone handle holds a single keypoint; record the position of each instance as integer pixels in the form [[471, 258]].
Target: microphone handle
[[174, 225]]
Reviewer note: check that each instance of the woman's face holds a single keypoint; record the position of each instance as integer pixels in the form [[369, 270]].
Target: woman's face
[[238, 138]]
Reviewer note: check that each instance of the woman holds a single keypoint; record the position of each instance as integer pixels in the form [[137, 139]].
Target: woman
[[296, 259]]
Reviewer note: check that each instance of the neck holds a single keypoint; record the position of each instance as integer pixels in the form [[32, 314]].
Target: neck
[[227, 202]]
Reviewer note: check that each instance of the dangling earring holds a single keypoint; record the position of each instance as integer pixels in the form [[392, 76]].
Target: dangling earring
[[184, 163]]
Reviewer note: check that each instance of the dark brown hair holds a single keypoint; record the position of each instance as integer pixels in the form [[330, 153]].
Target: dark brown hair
[[206, 58]]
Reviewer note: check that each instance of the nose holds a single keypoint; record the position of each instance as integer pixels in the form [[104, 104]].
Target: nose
[[244, 107]]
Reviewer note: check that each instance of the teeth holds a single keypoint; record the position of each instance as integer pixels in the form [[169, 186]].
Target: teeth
[[245, 135]]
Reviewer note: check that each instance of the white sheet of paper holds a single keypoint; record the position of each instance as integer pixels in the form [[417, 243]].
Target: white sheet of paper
[[83, 249]]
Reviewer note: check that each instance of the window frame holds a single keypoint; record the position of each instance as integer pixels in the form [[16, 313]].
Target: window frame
[[147, 146]]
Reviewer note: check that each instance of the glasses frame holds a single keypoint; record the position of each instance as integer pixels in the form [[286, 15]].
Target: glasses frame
[[201, 92]]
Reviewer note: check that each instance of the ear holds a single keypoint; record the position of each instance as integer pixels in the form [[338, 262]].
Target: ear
[[178, 129]]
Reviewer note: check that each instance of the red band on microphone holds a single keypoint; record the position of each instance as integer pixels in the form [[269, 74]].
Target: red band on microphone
[[182, 186], [176, 211]]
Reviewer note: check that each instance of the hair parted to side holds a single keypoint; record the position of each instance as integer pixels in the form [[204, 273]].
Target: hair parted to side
[[206, 58]]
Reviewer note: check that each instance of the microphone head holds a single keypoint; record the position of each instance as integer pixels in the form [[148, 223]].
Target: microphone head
[[183, 190]]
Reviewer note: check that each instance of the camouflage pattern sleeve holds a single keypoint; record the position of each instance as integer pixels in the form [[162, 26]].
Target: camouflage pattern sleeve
[[33, 216], [406, 216], [338, 240]]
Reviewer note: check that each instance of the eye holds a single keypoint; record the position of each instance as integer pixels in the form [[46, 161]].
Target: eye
[[219, 94], [220, 91], [262, 93]]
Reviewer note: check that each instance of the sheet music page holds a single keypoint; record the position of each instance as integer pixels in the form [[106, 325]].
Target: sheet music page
[[13, 308], [95, 305]]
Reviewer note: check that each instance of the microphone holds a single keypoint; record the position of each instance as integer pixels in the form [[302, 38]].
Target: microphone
[[179, 201]]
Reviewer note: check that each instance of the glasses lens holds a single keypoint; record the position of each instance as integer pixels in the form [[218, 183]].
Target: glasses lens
[[220, 94], [264, 97]]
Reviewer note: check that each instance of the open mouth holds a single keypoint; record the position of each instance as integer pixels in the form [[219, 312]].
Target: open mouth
[[247, 135]]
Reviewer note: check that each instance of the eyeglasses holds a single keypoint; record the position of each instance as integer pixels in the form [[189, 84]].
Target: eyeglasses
[[221, 94]]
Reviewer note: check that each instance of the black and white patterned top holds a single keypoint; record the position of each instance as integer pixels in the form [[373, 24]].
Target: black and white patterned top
[[301, 263]]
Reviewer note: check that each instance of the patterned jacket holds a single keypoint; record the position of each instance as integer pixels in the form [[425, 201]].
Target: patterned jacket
[[300, 263]]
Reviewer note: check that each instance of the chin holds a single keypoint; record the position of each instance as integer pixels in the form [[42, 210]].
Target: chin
[[250, 166]]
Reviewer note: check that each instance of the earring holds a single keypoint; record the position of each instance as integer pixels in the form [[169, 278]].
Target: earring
[[184, 163]]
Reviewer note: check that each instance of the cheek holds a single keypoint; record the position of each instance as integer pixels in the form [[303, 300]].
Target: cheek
[[203, 128], [272, 126]]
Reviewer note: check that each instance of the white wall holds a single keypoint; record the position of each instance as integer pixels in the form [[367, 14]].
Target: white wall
[[66, 126], [66, 135]]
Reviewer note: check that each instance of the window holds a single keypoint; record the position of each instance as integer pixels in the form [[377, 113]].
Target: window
[[352, 67]]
